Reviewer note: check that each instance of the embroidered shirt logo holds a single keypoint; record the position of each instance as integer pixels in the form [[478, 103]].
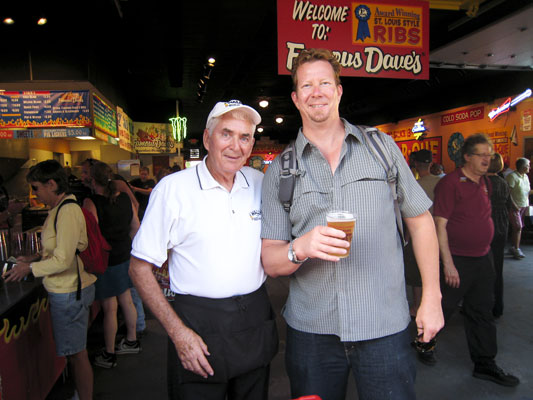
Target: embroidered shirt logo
[[255, 215]]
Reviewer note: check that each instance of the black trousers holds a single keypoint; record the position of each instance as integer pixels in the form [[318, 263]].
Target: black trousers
[[477, 291], [241, 336], [497, 248]]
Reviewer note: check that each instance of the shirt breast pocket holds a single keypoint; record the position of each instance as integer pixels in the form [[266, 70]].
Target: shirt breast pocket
[[311, 197], [365, 189]]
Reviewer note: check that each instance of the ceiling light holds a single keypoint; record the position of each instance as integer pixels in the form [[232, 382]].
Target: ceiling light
[[211, 61], [279, 120], [9, 21], [42, 21], [263, 103], [85, 137], [260, 129]]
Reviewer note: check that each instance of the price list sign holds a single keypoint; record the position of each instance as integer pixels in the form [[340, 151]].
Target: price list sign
[[39, 109], [105, 118]]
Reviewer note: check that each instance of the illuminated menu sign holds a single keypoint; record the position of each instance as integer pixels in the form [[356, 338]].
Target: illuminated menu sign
[[43, 133], [125, 130], [105, 118], [39, 109], [372, 38]]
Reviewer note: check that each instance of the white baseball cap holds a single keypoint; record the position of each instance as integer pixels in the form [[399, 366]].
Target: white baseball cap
[[222, 107]]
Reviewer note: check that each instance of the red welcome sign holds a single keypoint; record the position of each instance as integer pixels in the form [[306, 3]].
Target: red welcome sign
[[383, 39]]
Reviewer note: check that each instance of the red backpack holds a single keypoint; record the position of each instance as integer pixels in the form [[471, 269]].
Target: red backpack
[[96, 256]]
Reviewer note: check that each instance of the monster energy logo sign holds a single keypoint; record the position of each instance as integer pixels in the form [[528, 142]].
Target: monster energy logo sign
[[179, 128]]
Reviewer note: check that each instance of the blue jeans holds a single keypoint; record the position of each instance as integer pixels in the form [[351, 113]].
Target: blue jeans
[[383, 368], [138, 303]]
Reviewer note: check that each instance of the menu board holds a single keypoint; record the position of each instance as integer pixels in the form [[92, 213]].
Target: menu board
[[43, 133], [38, 109], [105, 118], [125, 130]]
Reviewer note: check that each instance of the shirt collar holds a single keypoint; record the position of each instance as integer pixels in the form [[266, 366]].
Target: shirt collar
[[349, 130], [206, 180]]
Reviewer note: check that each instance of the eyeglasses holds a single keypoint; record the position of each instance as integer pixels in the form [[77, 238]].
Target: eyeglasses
[[482, 155], [424, 347]]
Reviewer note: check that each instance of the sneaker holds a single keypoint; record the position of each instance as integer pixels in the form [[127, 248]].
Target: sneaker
[[520, 253], [516, 253], [491, 372], [105, 360], [127, 347]]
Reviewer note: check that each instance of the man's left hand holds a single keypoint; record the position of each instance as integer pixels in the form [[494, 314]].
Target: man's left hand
[[429, 319]]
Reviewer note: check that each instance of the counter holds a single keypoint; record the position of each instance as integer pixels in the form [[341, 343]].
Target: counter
[[29, 366]]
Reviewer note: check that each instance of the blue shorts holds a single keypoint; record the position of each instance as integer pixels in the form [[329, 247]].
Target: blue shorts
[[114, 281], [70, 320]]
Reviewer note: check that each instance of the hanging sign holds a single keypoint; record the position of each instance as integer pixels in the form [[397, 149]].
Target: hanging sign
[[39, 109], [44, 133], [382, 39], [105, 117], [125, 130], [153, 138]]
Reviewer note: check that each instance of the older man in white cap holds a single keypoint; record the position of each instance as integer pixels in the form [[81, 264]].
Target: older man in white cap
[[208, 218]]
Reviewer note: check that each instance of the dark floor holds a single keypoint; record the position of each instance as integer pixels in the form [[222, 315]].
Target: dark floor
[[143, 376]]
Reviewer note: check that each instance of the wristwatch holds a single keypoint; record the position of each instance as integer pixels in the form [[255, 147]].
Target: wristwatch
[[292, 255]]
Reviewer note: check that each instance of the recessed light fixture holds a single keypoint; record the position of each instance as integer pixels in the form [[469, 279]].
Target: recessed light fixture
[[211, 61], [42, 21], [85, 137], [279, 120], [260, 129], [9, 21], [490, 54], [263, 103]]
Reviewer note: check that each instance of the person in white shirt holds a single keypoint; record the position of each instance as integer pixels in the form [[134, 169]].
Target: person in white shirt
[[518, 182], [207, 219]]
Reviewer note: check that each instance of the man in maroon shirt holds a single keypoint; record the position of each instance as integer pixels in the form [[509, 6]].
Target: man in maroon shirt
[[462, 212]]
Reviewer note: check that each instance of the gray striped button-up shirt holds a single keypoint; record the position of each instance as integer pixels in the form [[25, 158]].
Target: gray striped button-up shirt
[[362, 296]]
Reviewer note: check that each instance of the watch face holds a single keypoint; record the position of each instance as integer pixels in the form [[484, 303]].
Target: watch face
[[454, 147]]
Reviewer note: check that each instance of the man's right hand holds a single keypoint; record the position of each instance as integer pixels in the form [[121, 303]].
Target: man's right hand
[[451, 276], [192, 351], [320, 242]]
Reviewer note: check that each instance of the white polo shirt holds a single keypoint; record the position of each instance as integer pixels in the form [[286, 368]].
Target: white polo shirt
[[212, 235]]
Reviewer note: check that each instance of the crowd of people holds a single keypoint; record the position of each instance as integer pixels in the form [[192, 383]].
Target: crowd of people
[[229, 230]]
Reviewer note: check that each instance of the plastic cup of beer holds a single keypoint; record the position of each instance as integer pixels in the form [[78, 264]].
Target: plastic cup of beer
[[343, 221]]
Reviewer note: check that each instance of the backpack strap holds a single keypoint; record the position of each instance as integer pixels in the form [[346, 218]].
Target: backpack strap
[[288, 173], [375, 142], [78, 290]]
